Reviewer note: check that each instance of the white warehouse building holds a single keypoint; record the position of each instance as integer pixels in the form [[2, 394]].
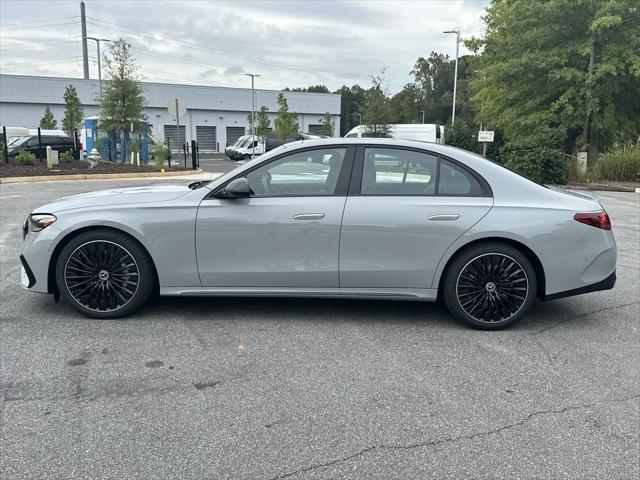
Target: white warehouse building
[[215, 116]]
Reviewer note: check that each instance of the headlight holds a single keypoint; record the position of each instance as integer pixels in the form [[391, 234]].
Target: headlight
[[40, 221]]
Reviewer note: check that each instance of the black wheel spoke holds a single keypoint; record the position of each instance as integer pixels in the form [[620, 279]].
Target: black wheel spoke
[[101, 276], [492, 288]]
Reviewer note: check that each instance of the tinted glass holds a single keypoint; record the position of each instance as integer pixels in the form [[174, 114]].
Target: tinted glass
[[389, 171], [455, 180], [313, 172]]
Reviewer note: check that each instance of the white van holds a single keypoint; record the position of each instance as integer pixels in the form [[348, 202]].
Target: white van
[[426, 132], [231, 148], [250, 146]]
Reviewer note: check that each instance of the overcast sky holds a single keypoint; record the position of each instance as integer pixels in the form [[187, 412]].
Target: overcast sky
[[289, 43]]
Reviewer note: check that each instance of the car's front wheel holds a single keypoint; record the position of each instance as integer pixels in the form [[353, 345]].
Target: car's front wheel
[[104, 274], [490, 286]]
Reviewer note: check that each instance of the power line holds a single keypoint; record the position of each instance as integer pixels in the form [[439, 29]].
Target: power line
[[20, 24], [210, 50], [47, 25], [60, 60]]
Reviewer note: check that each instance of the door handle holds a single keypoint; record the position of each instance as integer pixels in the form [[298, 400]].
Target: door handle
[[309, 216], [446, 216]]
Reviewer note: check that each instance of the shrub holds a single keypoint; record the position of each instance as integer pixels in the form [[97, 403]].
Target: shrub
[[161, 153], [66, 156], [25, 158], [462, 136], [622, 164], [538, 157]]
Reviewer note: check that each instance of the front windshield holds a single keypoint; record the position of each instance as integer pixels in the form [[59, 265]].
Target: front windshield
[[17, 141], [240, 141]]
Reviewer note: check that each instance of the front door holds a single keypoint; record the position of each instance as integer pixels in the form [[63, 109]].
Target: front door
[[286, 234], [408, 207]]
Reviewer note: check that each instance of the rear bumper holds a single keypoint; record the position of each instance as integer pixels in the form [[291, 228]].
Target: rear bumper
[[606, 284]]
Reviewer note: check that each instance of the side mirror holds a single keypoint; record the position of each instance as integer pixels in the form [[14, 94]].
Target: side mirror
[[238, 188]]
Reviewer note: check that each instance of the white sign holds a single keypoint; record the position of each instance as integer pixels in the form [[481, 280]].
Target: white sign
[[182, 108], [485, 136]]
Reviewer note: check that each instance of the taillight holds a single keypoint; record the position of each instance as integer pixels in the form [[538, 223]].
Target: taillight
[[595, 219]]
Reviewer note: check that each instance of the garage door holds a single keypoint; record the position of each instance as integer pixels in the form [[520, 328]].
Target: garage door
[[233, 134], [171, 132], [316, 129], [206, 137]]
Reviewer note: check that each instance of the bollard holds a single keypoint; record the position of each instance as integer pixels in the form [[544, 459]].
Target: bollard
[[194, 159], [39, 145], [5, 146], [169, 151]]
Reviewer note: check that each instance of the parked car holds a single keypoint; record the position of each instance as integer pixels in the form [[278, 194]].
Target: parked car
[[30, 143], [345, 218]]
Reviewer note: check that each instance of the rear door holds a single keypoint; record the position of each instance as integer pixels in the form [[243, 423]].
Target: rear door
[[405, 208]]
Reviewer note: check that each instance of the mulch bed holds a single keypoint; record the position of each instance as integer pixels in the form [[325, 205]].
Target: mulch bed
[[72, 168]]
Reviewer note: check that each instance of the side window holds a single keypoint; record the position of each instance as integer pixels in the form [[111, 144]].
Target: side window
[[454, 180], [392, 171], [312, 172]]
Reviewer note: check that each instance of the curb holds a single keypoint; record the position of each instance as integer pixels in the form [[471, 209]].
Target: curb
[[604, 187], [98, 176]]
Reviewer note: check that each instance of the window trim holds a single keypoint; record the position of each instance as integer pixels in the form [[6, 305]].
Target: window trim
[[356, 177], [342, 185]]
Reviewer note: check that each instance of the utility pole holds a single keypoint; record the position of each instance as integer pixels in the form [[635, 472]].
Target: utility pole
[[98, 40], [455, 75], [253, 114], [85, 55]]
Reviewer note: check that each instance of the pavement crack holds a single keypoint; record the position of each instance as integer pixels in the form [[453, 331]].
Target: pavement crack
[[441, 441], [585, 314]]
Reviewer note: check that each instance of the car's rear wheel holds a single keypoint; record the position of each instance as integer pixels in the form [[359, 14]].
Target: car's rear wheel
[[104, 274], [490, 286]]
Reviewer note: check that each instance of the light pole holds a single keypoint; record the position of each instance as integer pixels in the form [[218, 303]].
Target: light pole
[[98, 40], [455, 75], [253, 114], [422, 112]]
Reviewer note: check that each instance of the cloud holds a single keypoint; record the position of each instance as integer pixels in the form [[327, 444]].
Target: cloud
[[289, 43]]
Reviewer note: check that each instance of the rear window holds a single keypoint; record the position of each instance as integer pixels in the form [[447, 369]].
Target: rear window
[[454, 180]]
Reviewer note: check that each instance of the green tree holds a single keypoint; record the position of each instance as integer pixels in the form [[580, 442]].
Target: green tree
[[352, 101], [403, 106], [123, 99], [47, 122], [433, 85], [376, 109], [263, 124], [571, 66], [286, 122], [73, 112], [328, 125]]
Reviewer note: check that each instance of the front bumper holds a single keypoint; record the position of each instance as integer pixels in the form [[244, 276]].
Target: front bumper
[[27, 278], [606, 284]]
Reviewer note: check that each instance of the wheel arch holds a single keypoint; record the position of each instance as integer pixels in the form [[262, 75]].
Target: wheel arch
[[526, 251], [52, 287]]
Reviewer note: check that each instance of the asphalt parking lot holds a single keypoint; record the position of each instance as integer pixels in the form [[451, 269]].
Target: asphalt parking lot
[[316, 389]]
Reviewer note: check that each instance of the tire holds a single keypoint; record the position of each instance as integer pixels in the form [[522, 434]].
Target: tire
[[104, 274], [489, 286]]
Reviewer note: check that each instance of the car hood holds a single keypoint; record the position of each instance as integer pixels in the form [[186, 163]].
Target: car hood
[[116, 196]]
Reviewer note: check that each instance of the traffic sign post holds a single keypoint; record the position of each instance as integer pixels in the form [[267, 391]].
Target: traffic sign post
[[177, 108], [485, 136]]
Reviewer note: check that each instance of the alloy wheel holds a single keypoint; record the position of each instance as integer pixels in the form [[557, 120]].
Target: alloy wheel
[[492, 288], [101, 276]]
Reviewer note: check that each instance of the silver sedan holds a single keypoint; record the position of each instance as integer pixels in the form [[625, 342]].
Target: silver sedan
[[357, 218]]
